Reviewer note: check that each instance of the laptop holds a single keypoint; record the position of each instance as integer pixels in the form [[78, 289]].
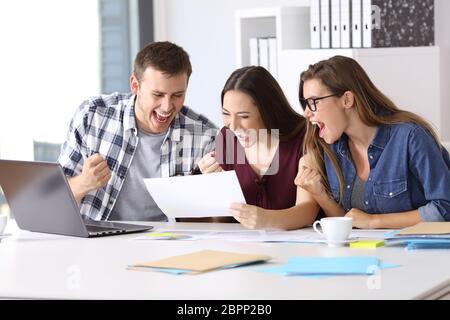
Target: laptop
[[41, 201]]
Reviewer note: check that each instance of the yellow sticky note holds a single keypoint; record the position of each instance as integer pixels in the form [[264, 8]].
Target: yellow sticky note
[[164, 235], [367, 244]]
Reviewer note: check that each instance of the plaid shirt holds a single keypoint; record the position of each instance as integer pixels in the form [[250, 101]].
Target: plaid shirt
[[106, 125]]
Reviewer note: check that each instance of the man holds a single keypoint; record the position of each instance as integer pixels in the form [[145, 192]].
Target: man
[[115, 141]]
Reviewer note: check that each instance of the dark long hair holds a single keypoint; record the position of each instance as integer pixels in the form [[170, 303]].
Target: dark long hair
[[275, 110], [340, 74]]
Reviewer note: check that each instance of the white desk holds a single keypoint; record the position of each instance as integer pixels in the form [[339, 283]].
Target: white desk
[[34, 265]]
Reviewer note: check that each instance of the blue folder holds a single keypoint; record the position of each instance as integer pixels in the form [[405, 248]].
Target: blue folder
[[332, 265]]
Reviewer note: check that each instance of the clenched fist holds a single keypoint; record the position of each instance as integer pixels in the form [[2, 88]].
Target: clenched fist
[[309, 179], [94, 175], [209, 163]]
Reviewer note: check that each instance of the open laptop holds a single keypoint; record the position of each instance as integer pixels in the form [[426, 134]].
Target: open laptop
[[41, 200]]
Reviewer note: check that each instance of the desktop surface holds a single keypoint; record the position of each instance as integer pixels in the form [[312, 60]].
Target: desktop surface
[[35, 265]]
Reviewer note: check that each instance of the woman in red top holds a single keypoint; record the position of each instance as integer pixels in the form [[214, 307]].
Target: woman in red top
[[262, 141]]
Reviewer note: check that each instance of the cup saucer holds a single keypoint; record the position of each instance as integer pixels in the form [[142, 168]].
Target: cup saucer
[[5, 235], [338, 243]]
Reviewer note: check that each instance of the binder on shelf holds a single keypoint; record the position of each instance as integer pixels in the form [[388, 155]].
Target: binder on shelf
[[253, 49], [367, 23], [325, 34], [273, 67], [335, 24], [345, 23], [356, 24], [315, 23], [263, 44]]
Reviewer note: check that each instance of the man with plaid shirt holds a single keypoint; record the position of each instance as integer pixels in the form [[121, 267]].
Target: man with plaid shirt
[[115, 141]]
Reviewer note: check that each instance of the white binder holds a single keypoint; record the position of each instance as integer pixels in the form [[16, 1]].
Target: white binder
[[345, 24], [367, 23], [356, 24], [273, 66], [263, 44], [325, 34], [253, 46], [315, 23], [335, 24]]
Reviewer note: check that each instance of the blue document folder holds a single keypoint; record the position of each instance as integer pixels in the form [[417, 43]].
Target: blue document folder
[[332, 265]]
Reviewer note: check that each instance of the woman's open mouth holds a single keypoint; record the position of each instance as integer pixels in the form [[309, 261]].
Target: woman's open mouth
[[321, 126]]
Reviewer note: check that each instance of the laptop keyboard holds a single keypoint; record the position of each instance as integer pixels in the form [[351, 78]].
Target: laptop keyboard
[[102, 230]]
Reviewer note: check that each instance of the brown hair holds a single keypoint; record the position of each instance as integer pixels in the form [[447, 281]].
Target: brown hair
[[272, 104], [340, 74], [163, 56]]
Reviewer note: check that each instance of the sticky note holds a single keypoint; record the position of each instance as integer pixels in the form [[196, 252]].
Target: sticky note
[[164, 235], [371, 244]]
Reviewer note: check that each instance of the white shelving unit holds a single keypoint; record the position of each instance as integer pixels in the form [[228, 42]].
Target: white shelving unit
[[410, 76], [278, 22]]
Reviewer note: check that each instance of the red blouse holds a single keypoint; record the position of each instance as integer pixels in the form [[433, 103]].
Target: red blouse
[[271, 191]]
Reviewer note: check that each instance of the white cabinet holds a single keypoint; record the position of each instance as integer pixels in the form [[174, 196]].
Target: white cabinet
[[289, 25], [410, 76]]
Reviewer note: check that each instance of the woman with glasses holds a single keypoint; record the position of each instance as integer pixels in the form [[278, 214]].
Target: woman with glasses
[[366, 158], [262, 140]]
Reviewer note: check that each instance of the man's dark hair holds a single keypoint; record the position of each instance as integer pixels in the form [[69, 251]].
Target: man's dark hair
[[163, 56]]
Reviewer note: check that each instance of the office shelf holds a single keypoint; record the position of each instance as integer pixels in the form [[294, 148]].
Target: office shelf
[[410, 76]]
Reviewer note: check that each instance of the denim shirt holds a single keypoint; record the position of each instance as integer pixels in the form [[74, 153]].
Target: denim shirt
[[408, 171]]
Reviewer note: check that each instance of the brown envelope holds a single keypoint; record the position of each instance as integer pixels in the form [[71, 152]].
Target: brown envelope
[[204, 260], [427, 228]]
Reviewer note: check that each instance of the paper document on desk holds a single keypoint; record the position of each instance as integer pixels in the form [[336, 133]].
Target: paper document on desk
[[306, 235], [206, 195], [300, 236]]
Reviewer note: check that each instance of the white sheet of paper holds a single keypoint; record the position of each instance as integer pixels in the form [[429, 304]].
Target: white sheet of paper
[[301, 236], [205, 195], [370, 233]]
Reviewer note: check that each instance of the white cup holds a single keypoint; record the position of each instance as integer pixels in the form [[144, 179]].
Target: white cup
[[3, 221], [336, 230]]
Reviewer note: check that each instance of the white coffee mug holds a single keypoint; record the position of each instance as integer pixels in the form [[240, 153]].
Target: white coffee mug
[[336, 230], [3, 221]]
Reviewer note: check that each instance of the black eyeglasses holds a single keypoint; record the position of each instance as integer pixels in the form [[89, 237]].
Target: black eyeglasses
[[312, 102]]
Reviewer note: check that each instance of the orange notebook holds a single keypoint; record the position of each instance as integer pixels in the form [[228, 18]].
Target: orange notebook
[[202, 261]]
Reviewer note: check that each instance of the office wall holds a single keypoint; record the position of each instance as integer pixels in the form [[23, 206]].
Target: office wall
[[206, 29], [442, 26]]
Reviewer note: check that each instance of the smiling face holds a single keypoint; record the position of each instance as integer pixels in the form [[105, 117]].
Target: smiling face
[[331, 115], [159, 97], [241, 115]]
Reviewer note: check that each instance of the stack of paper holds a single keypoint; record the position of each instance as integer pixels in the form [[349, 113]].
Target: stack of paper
[[163, 236], [424, 235], [269, 235], [201, 261], [321, 266]]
